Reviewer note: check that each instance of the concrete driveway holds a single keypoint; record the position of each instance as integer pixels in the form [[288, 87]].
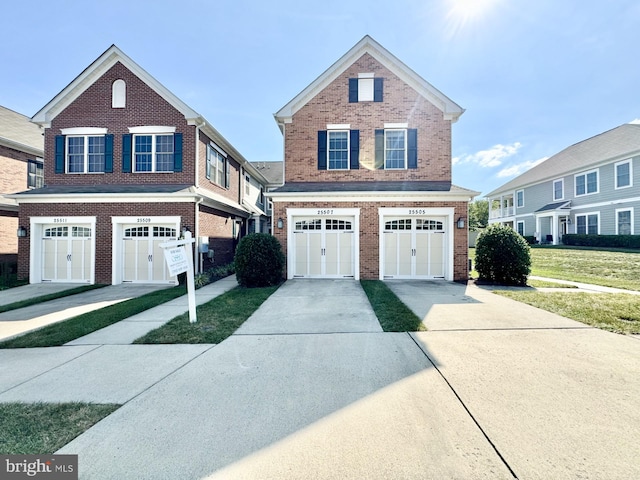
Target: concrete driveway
[[527, 394]]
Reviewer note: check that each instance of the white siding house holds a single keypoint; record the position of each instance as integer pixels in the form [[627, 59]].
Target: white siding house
[[592, 187]]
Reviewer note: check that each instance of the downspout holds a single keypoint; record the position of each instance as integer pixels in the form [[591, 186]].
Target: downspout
[[196, 236]]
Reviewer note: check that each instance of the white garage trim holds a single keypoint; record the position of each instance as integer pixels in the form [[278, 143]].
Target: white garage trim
[[118, 227], [322, 213], [447, 214], [37, 227]]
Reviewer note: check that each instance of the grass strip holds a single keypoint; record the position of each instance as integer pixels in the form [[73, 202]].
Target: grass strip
[[46, 298], [76, 327], [615, 312], [43, 428], [393, 315], [546, 284], [217, 319]]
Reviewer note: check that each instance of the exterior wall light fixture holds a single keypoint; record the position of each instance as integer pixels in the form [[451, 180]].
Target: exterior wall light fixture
[[460, 222], [22, 232], [280, 223]]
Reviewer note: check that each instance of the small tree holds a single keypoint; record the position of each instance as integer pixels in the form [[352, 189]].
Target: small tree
[[259, 260], [478, 214], [502, 256]]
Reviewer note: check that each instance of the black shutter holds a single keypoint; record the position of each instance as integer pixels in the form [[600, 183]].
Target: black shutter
[[412, 148], [177, 152], [377, 89], [59, 154], [379, 158], [322, 150], [354, 147], [126, 153], [353, 90], [108, 153]]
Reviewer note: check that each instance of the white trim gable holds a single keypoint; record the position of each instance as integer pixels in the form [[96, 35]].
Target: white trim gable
[[92, 73], [449, 108]]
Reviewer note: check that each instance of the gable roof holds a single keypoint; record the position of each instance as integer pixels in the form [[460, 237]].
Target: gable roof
[[18, 133], [368, 45], [616, 144]]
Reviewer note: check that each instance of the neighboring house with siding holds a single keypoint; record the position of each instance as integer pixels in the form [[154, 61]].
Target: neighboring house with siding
[[21, 152], [128, 166], [592, 187], [367, 175]]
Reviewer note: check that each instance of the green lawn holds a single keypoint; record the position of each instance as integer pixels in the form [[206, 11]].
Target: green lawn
[[217, 319], [615, 312], [76, 327], [43, 428], [393, 315]]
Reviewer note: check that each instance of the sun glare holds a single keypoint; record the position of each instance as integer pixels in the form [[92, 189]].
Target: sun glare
[[466, 10]]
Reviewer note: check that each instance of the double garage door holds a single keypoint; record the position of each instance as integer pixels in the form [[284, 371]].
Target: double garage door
[[326, 246]]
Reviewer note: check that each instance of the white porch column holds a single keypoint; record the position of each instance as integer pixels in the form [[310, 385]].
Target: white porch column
[[538, 233], [554, 228]]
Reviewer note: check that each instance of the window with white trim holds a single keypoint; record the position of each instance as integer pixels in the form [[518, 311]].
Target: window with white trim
[[395, 149], [624, 221], [624, 176], [217, 166], [520, 198], [586, 183], [558, 189], [338, 149], [153, 153], [35, 174], [588, 224], [520, 227], [85, 153], [247, 185]]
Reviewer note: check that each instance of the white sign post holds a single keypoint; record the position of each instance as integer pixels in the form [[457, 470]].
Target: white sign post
[[179, 257]]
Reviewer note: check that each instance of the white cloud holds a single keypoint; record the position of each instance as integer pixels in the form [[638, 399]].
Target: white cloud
[[493, 157], [635, 122], [519, 168]]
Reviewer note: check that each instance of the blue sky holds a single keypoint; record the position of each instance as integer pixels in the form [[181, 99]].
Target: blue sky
[[534, 76]]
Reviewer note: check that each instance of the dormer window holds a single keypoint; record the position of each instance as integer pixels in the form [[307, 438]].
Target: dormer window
[[365, 88]]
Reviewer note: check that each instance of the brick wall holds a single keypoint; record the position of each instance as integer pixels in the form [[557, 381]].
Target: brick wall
[[219, 227], [144, 107], [401, 104], [233, 192], [8, 228], [369, 229], [14, 168]]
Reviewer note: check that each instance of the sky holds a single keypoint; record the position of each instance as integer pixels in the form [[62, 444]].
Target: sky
[[534, 76]]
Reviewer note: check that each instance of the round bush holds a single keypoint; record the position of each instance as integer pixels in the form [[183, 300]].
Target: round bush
[[259, 260], [502, 256]]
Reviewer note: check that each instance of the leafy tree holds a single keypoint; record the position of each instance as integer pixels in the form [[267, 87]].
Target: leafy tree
[[478, 214], [502, 256]]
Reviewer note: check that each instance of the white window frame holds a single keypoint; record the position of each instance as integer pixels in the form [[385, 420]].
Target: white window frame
[[213, 167], [365, 87], [406, 148], [247, 184], [154, 153], [35, 179], [615, 173], [85, 153], [586, 190], [329, 132], [586, 222], [561, 181], [518, 204], [518, 223], [631, 226]]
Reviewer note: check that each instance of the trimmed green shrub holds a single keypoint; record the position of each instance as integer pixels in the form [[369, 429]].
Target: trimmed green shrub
[[259, 260], [531, 240], [502, 256], [612, 241]]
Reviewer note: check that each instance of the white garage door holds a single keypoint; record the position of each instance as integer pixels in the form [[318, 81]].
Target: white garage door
[[413, 248], [67, 253], [323, 247], [143, 258]]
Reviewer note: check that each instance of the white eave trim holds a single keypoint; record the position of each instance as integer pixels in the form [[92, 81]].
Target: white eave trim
[[21, 147], [83, 131]]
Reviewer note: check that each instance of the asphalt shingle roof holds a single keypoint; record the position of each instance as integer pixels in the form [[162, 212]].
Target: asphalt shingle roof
[[18, 129]]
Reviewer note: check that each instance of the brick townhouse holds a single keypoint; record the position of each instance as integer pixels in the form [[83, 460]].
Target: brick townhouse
[[367, 175], [127, 166], [21, 151]]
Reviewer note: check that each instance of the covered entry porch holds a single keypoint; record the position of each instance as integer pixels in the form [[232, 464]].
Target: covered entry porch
[[552, 222]]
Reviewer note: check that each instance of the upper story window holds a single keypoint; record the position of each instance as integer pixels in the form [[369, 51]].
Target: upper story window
[[623, 172], [586, 183], [365, 88], [217, 169], [396, 147], [247, 184], [520, 199], [338, 149], [153, 153], [261, 197], [152, 149], [35, 174], [84, 150], [558, 189]]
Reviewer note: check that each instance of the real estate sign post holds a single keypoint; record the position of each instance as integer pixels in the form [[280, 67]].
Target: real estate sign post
[[179, 257]]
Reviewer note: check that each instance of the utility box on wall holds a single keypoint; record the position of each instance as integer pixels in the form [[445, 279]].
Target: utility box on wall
[[203, 244]]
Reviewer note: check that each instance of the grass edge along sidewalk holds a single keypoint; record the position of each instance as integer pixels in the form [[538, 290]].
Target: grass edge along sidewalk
[[217, 319], [65, 331], [43, 428], [51, 296], [393, 315]]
